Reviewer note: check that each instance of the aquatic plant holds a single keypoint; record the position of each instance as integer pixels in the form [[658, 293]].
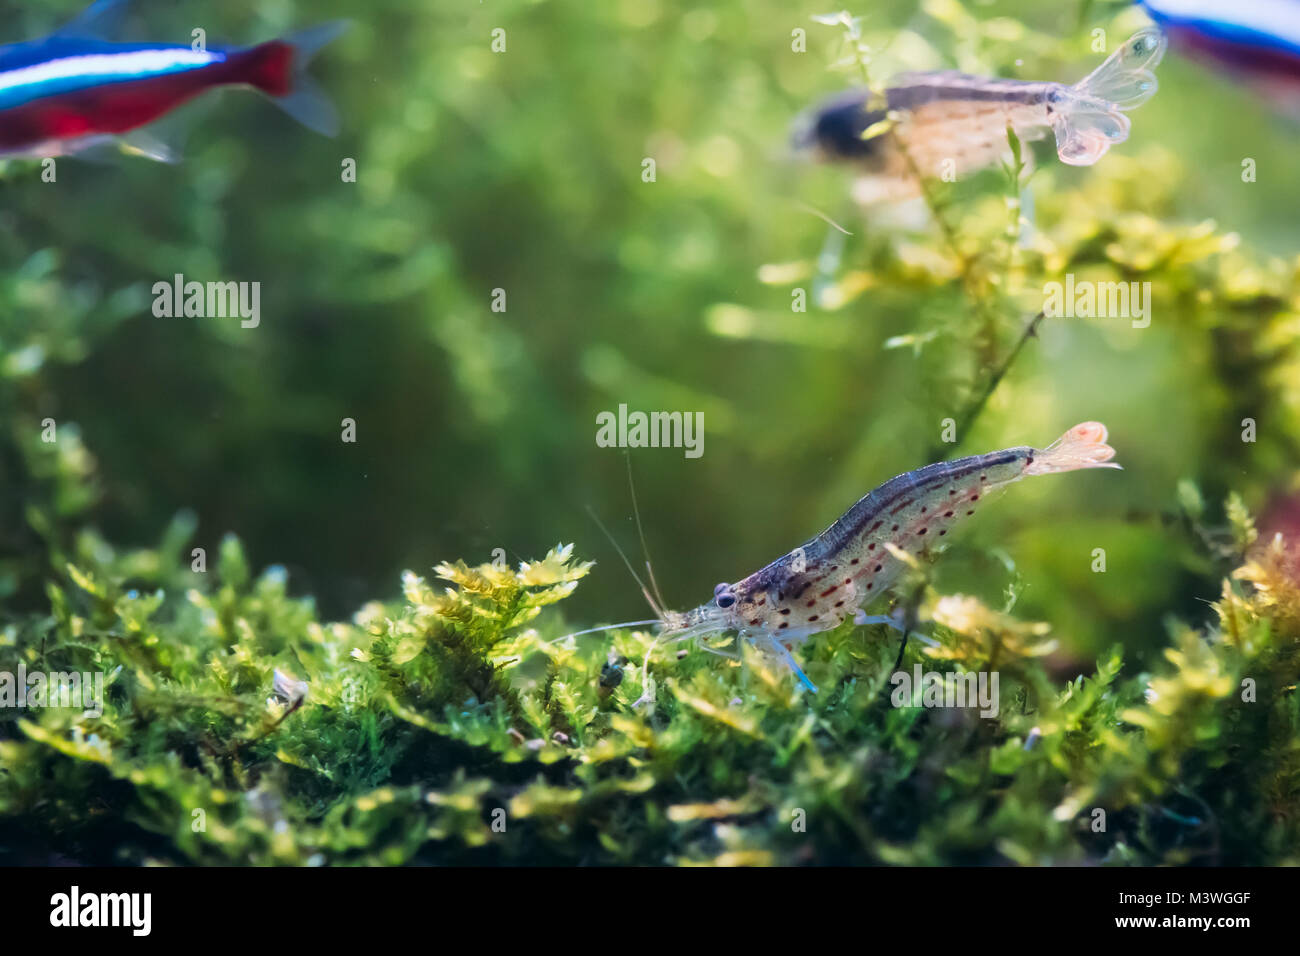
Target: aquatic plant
[[250, 717], [452, 726]]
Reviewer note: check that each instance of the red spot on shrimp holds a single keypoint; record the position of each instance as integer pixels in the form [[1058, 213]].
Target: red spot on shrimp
[[810, 603], [756, 621], [784, 625], [830, 590], [813, 618], [785, 610], [854, 561], [839, 603]]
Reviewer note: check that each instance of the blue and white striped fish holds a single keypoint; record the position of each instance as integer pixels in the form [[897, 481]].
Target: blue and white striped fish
[[74, 89], [1256, 41]]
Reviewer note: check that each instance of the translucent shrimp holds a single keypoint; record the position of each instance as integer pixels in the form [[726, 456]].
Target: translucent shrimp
[[831, 577], [934, 124]]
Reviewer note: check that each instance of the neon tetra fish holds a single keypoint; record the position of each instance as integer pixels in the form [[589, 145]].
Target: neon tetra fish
[[829, 578], [74, 90], [1255, 41], [930, 123]]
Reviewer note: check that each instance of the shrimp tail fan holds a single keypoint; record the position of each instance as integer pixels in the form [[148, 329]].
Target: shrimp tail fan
[[1083, 446], [1089, 118], [1125, 79]]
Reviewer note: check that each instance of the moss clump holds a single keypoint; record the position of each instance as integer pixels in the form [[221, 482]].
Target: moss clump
[[452, 727]]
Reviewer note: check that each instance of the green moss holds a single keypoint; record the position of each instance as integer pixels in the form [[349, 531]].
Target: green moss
[[452, 727]]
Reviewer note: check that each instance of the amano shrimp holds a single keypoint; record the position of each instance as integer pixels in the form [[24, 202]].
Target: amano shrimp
[[926, 123], [831, 577]]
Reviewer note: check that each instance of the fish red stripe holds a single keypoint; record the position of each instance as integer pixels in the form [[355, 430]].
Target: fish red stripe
[[116, 108], [268, 67]]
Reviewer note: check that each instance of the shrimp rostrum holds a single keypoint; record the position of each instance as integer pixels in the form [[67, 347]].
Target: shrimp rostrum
[[831, 577]]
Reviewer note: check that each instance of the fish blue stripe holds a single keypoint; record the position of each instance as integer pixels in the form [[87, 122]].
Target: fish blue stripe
[[30, 52], [23, 80], [1268, 24]]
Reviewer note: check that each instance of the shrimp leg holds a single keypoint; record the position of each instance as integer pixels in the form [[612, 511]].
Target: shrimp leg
[[783, 652]]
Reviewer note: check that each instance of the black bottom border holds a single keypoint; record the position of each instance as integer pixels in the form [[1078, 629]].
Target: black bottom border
[[295, 907]]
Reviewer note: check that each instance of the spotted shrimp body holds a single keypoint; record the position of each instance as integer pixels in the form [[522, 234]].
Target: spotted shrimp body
[[827, 579]]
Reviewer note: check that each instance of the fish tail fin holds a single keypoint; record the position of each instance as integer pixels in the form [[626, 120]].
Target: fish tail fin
[[1125, 80], [1083, 446], [1089, 116], [96, 22], [279, 69]]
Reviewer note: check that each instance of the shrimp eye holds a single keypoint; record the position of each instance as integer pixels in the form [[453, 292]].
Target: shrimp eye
[[722, 593]]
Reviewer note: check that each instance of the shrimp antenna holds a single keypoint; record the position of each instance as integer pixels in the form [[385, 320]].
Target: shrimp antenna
[[604, 627], [822, 216], [632, 571], [636, 511]]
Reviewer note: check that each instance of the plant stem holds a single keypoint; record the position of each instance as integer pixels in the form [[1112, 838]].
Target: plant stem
[[992, 382]]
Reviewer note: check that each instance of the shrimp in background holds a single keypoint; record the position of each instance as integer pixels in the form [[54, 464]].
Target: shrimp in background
[[927, 124]]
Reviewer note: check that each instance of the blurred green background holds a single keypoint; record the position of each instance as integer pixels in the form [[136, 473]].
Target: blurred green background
[[522, 171]]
